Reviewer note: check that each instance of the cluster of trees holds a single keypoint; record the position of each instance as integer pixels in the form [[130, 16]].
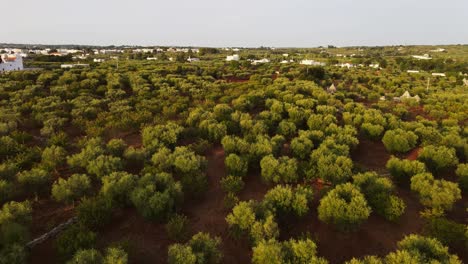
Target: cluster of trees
[[61, 137]]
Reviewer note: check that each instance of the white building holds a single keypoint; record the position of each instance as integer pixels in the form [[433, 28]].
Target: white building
[[412, 71], [406, 95], [77, 65], [11, 63], [255, 62], [312, 62], [193, 59], [234, 57], [151, 58], [438, 74], [346, 65], [423, 57]]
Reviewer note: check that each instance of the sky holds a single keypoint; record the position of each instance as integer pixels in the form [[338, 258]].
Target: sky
[[240, 23]]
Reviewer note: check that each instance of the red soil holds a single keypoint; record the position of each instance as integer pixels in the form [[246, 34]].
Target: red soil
[[376, 236], [414, 154], [370, 154]]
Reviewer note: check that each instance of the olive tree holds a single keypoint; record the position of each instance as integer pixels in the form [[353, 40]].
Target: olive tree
[[117, 186], [438, 158], [378, 191], [53, 157], [439, 195], [34, 180], [402, 169], [68, 190], [200, 249], [462, 173], [427, 250], [236, 165], [301, 147], [399, 140], [157, 195], [345, 207], [279, 170], [104, 165], [285, 199]]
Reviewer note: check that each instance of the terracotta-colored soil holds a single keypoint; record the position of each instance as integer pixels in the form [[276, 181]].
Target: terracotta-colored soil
[[376, 236], [369, 154], [414, 154]]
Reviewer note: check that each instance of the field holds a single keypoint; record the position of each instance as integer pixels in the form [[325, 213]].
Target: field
[[264, 160]]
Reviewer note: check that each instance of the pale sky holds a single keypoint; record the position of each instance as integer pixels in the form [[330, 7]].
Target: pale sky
[[245, 23]]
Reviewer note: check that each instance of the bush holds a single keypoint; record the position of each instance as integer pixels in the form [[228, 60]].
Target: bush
[[334, 169], [53, 156], [438, 158], [403, 170], [378, 192], [115, 256], [462, 173], [86, 256], [282, 170], [345, 207], [446, 231], [201, 249], [372, 131], [301, 147], [75, 238], [232, 184], [18, 212], [399, 140], [94, 212], [116, 147], [71, 189], [177, 227], [236, 165], [117, 186], [13, 254], [427, 250], [439, 195], [34, 180], [6, 190], [157, 196], [291, 251], [283, 200], [104, 165]]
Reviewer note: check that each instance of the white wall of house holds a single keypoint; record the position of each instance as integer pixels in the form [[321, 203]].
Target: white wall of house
[[9, 65]]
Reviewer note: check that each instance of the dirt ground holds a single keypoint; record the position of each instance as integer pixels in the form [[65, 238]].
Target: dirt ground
[[148, 241]]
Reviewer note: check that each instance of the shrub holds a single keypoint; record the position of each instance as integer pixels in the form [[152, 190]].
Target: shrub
[[291, 251], [117, 186], [86, 256], [104, 165], [372, 131], [378, 192], [440, 195], [232, 184], [428, 250], [399, 140], [446, 231], [53, 157], [116, 147], [18, 212], [334, 169], [34, 180], [115, 256], [157, 195], [345, 207], [282, 170], [71, 189], [236, 165], [75, 238], [14, 253], [301, 147], [438, 158], [403, 170], [92, 149], [6, 190], [94, 212], [177, 227], [283, 199], [200, 249], [462, 173]]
